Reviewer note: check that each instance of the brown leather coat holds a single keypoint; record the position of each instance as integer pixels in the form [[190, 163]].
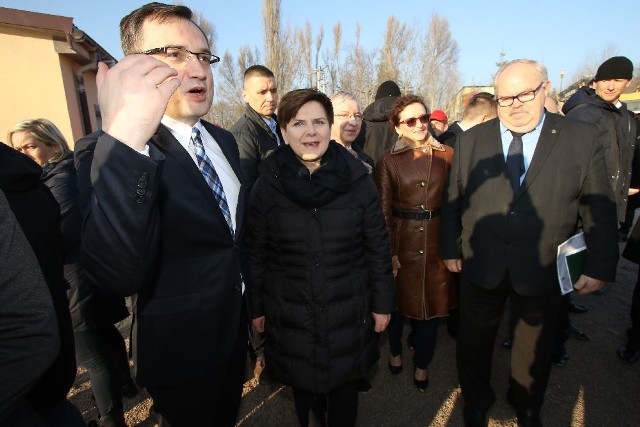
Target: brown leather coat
[[411, 181]]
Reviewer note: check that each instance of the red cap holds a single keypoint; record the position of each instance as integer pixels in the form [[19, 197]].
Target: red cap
[[438, 115]]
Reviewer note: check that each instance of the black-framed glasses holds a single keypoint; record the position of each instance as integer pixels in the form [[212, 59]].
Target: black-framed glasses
[[411, 122], [529, 96], [357, 116], [179, 55]]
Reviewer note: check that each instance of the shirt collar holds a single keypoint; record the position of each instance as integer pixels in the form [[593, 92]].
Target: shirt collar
[[181, 131]]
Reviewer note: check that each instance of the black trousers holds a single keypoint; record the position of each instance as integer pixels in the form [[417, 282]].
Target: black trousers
[[102, 351], [338, 408], [212, 400], [425, 335], [534, 326], [633, 333]]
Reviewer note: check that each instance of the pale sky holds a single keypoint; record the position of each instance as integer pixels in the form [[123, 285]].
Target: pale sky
[[561, 34]]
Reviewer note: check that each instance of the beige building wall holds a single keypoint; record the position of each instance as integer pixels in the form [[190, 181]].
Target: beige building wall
[[32, 83], [44, 62]]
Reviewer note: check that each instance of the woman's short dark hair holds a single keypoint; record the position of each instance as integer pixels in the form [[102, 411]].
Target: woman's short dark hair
[[402, 103], [291, 103]]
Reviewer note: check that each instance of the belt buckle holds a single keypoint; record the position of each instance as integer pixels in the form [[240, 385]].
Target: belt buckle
[[430, 215]]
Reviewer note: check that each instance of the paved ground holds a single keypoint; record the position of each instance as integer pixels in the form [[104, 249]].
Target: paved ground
[[594, 389]]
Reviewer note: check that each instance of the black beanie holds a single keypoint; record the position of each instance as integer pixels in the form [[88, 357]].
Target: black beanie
[[618, 67], [388, 88]]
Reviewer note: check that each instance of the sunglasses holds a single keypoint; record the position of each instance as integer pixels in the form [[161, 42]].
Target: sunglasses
[[413, 120]]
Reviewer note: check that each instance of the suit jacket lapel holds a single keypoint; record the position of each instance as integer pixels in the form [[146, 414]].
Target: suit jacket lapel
[[492, 140], [171, 147], [548, 137]]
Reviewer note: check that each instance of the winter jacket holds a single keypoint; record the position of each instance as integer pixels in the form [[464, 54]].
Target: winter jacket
[[39, 217], [255, 142], [411, 181], [321, 265], [29, 338], [617, 129], [88, 307], [379, 134]]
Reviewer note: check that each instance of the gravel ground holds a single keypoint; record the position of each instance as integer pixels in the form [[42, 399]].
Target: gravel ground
[[594, 389]]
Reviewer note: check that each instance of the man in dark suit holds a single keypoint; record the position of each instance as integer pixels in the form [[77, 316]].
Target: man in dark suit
[[165, 220], [519, 185]]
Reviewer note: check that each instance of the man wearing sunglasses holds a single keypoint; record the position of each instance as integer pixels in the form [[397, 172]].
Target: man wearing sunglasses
[[165, 218], [518, 186]]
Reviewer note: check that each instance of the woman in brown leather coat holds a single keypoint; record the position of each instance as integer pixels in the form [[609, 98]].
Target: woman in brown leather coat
[[411, 180]]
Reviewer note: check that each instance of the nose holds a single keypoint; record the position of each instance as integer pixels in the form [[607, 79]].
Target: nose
[[516, 103], [196, 69]]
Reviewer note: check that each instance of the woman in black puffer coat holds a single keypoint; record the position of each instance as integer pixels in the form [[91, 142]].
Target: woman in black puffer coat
[[320, 260]]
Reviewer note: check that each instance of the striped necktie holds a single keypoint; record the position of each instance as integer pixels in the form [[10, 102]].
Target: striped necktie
[[210, 176]]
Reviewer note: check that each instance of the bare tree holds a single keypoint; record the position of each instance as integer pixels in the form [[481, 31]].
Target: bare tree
[[439, 78], [207, 28], [588, 67], [332, 58], [305, 38], [228, 104], [281, 55], [397, 40], [358, 71], [296, 57]]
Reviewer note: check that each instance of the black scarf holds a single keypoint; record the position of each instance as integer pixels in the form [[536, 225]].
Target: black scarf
[[311, 190]]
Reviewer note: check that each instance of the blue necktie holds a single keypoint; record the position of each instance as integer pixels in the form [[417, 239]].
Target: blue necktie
[[515, 160], [210, 175]]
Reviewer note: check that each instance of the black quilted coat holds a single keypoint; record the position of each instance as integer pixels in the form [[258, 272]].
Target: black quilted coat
[[320, 259]]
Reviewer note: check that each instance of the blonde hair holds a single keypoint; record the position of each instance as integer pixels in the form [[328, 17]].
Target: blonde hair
[[46, 132]]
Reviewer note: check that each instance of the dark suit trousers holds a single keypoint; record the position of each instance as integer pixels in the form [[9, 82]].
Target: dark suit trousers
[[534, 326], [212, 400]]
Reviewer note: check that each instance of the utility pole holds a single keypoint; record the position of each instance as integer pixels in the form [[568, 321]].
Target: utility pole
[[320, 82]]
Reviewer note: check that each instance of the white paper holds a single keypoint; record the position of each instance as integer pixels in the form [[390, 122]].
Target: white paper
[[573, 244]]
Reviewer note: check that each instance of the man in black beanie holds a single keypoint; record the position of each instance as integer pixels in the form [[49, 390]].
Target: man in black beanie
[[378, 132], [600, 104]]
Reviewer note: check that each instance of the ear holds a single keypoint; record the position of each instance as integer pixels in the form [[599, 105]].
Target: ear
[[244, 95], [283, 131]]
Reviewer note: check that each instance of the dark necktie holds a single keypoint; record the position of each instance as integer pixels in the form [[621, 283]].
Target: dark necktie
[[210, 175], [515, 160]]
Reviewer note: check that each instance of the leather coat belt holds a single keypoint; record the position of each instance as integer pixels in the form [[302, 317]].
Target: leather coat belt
[[418, 215]]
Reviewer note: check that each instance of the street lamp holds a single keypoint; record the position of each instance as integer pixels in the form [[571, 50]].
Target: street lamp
[[561, 77]]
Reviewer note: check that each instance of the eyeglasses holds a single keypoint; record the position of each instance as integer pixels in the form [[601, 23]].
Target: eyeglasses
[[413, 120], [179, 55], [357, 116], [529, 96]]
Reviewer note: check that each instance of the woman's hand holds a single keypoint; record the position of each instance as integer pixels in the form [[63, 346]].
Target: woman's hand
[[395, 264], [258, 324], [381, 321]]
